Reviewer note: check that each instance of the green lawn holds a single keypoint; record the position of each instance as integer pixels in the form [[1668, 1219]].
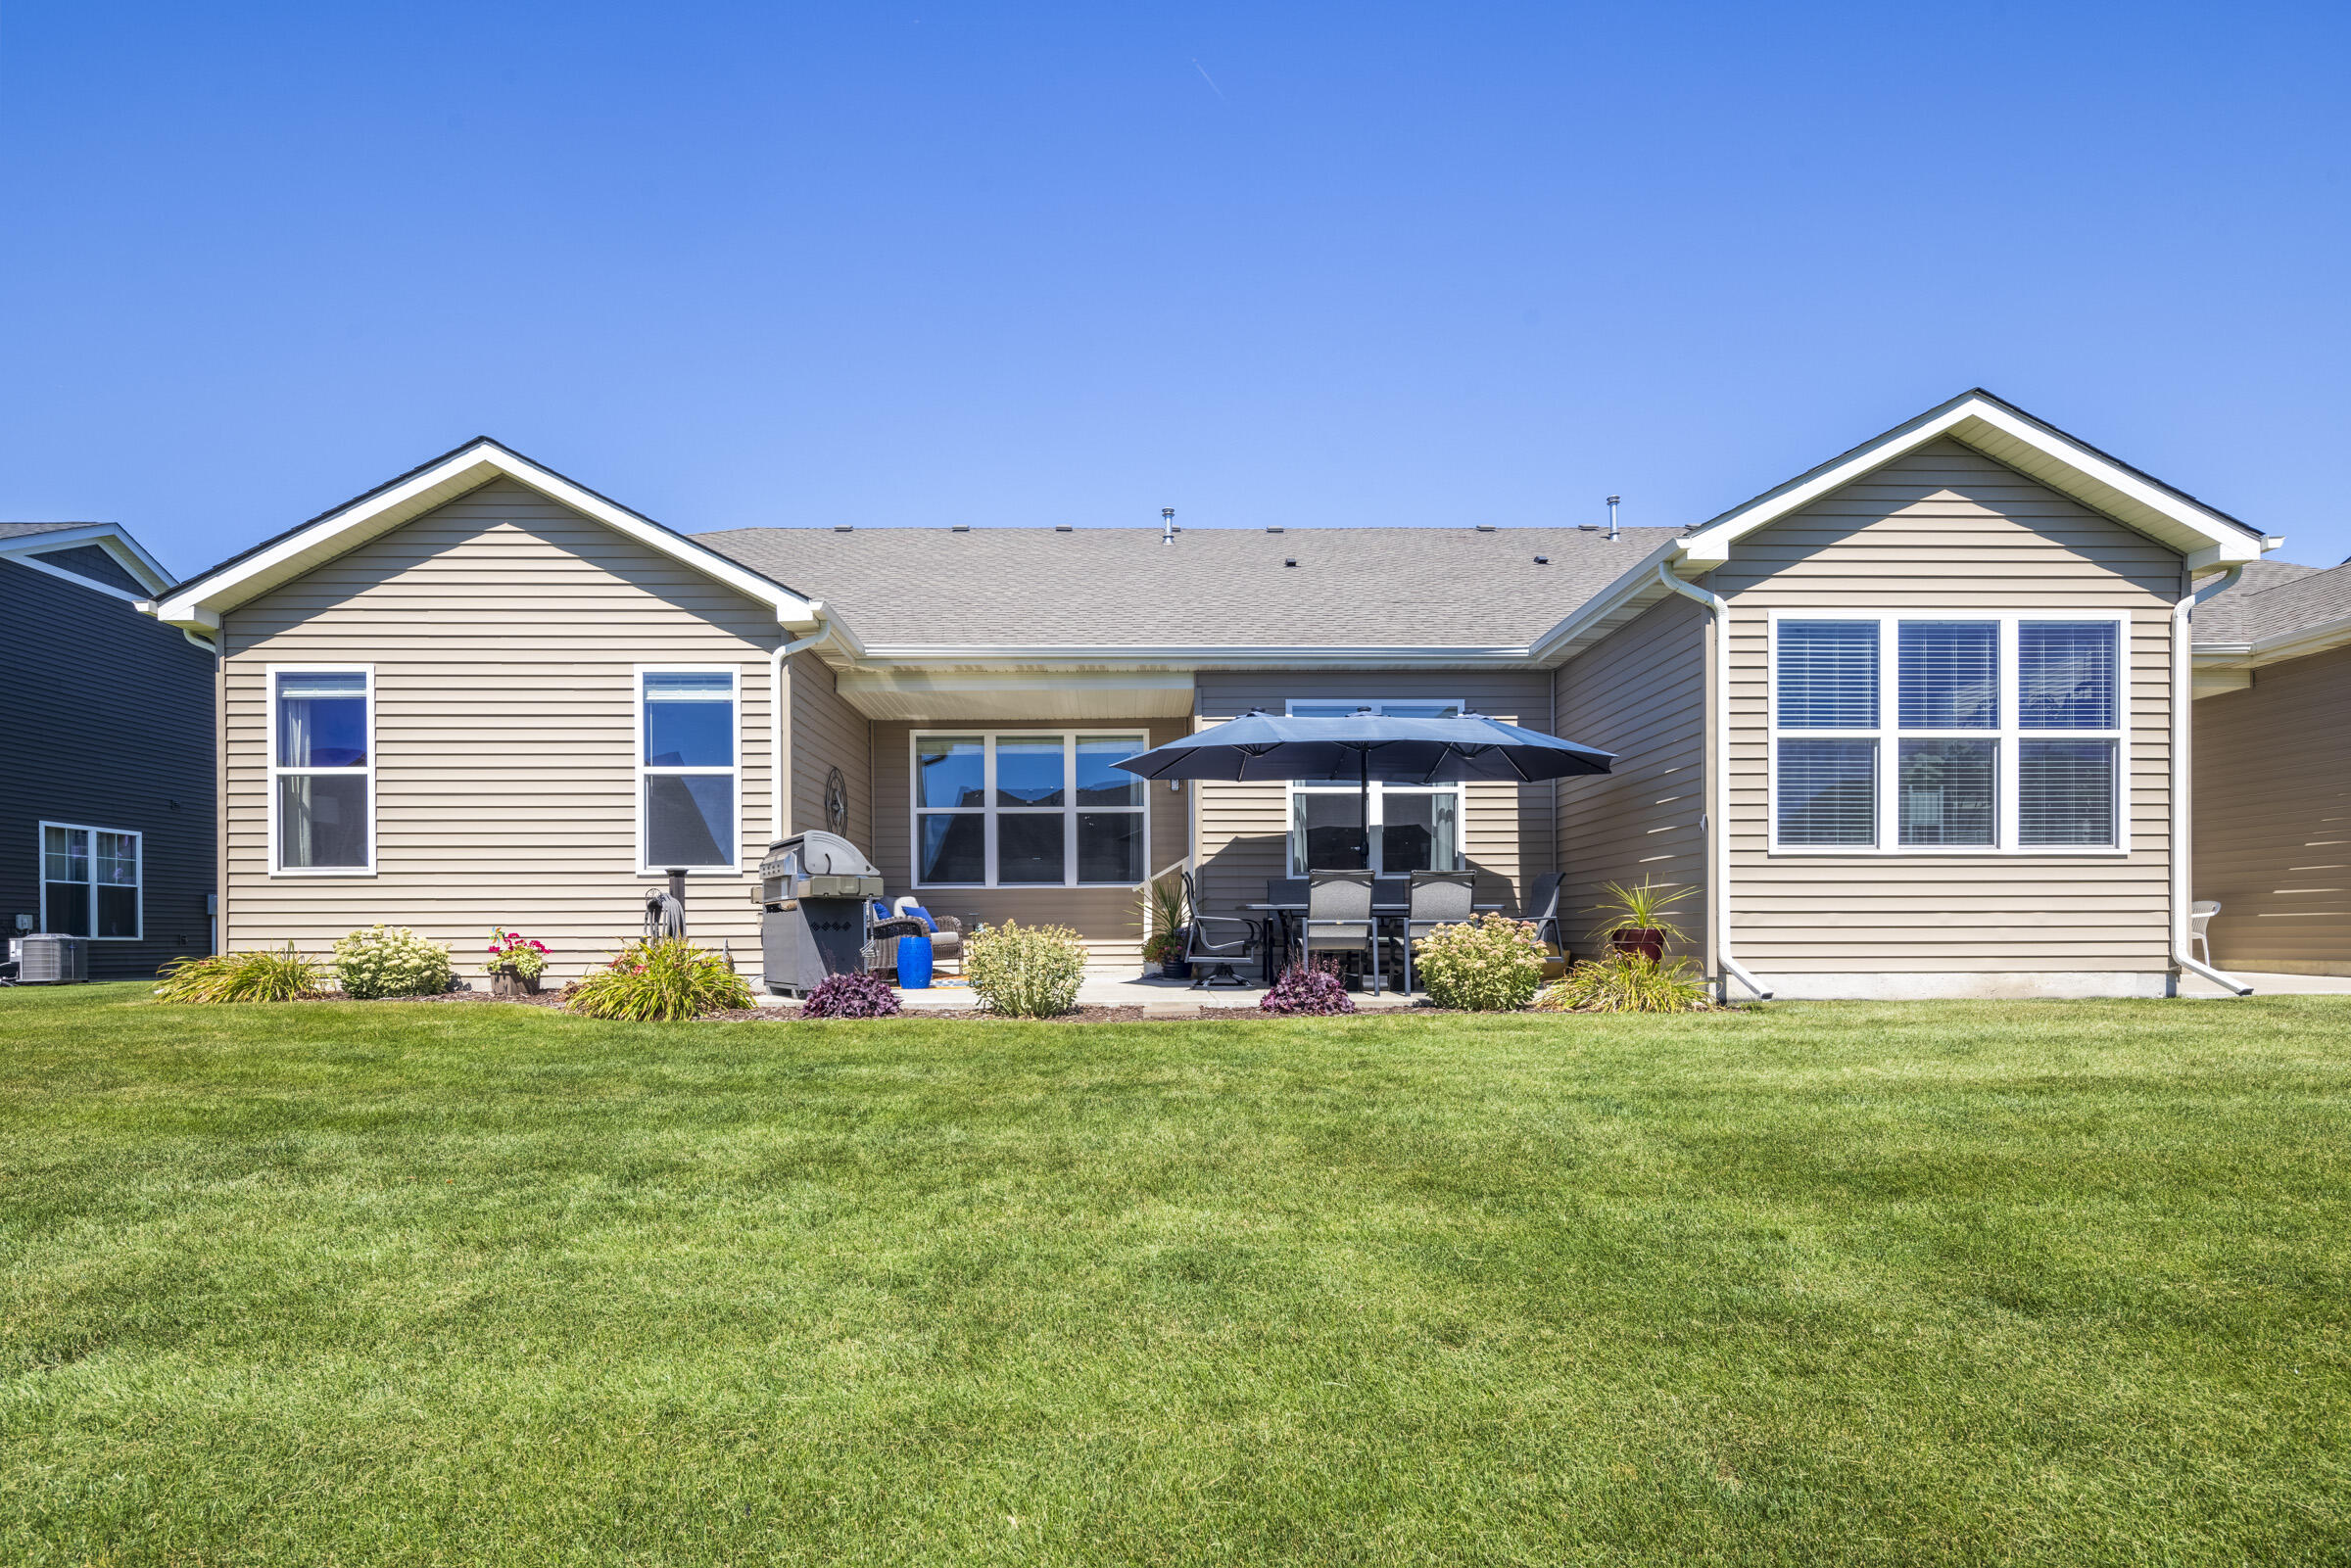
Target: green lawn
[[2032, 1282]]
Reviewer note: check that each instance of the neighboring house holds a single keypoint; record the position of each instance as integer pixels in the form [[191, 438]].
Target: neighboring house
[[1905, 725], [2272, 829], [106, 753]]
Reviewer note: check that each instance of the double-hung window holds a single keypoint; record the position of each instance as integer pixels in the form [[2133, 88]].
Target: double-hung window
[[689, 763], [1931, 734], [323, 770], [89, 881], [1413, 828], [1028, 809]]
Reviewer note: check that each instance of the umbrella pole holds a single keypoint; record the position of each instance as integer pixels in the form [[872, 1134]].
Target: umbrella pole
[[1363, 763]]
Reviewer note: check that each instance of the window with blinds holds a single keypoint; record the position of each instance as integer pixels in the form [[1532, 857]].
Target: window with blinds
[[2001, 733]]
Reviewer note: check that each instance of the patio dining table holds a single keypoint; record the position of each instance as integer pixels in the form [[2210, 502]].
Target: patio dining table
[[1277, 953]]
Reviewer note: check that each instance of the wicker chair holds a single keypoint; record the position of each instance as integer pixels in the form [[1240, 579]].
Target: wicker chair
[[946, 941]]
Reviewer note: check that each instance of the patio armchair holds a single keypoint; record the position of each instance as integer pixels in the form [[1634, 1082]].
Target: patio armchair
[[1339, 920], [945, 933], [1217, 941], [1543, 911], [2199, 924], [1435, 898]]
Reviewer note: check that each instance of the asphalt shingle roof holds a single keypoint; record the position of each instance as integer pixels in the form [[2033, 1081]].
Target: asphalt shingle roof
[[2275, 598], [1214, 587], [18, 530]]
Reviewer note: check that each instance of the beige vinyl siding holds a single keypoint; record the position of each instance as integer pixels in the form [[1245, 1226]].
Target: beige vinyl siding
[[1244, 828], [1110, 919], [1945, 528], [2273, 816], [503, 629], [826, 732], [1642, 694]]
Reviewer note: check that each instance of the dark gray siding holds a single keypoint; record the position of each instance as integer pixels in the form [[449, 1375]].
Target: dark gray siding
[[106, 719]]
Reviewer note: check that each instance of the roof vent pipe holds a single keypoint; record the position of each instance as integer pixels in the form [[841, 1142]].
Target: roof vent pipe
[[1166, 525], [1613, 500]]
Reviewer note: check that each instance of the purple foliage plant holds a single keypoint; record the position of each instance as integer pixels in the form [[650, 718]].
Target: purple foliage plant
[[850, 997], [1305, 991]]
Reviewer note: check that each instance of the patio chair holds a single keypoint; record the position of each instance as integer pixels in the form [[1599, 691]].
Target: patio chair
[[1542, 908], [2199, 924], [1436, 899], [1338, 919], [946, 933], [1213, 939]]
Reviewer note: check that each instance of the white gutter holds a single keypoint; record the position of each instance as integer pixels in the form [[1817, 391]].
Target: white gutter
[[777, 764], [2182, 698], [1719, 787]]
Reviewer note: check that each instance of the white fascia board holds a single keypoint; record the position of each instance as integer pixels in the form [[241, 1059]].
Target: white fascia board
[[2026, 445], [1633, 590], [467, 469], [108, 537], [1055, 657], [954, 695]]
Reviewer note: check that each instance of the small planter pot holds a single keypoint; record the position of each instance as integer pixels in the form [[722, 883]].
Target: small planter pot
[[514, 986], [1176, 968], [1645, 940]]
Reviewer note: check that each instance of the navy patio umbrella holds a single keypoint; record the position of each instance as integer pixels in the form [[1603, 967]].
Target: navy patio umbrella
[[1366, 746]]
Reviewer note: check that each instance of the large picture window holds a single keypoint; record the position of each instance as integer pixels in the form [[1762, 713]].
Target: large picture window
[[323, 770], [1413, 828], [1028, 809], [1999, 733], [90, 881], [688, 764]]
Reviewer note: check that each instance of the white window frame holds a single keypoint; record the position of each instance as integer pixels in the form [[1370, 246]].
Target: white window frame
[[1888, 735], [733, 769], [1379, 809], [278, 769], [988, 808], [41, 870]]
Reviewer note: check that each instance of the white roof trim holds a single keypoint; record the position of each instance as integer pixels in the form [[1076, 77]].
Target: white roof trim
[[2275, 648], [112, 538], [2007, 435], [198, 605]]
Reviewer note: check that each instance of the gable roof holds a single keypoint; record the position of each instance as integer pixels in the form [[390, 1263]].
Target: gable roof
[[196, 604], [2276, 611], [1225, 588], [2035, 447], [121, 565]]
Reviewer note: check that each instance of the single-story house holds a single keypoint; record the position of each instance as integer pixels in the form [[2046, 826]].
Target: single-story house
[[1911, 724], [2272, 754], [106, 753]]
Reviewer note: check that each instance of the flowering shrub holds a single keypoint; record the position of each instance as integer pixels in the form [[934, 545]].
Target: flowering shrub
[[660, 980], [1488, 964], [262, 976], [1304, 990], [1164, 947], [850, 997], [1031, 972], [512, 953], [1626, 983], [398, 962]]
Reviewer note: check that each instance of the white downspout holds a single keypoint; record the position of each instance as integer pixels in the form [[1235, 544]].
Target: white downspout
[[1719, 786], [2183, 695], [778, 768]]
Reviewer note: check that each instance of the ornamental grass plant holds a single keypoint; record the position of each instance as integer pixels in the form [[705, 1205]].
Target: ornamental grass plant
[[660, 980], [1626, 983], [1492, 963], [391, 960], [267, 975], [1025, 971]]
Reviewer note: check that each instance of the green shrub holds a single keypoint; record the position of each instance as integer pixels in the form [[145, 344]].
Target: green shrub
[[266, 976], [1029, 972], [1627, 982], [1488, 964], [396, 962], [660, 980]]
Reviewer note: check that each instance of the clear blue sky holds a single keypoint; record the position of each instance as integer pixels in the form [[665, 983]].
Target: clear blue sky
[[921, 263]]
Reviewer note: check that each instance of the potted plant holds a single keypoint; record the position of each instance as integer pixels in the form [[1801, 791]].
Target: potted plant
[[1169, 931], [1639, 918], [515, 963]]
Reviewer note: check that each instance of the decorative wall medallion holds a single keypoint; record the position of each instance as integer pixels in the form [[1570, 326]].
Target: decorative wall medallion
[[836, 803]]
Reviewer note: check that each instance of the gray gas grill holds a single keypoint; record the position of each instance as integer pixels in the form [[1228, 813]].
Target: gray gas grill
[[818, 893]]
